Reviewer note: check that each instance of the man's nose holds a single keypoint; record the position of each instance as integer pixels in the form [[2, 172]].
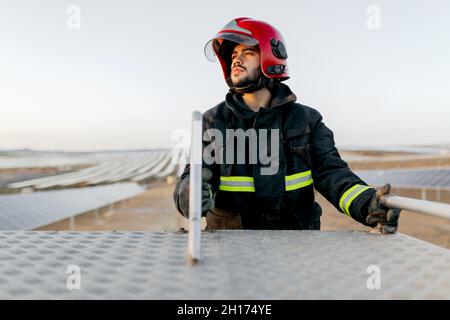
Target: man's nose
[[237, 61]]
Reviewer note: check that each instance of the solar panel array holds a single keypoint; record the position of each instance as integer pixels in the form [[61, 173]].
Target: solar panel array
[[33, 210], [35, 161], [442, 150], [434, 178], [135, 167], [113, 179]]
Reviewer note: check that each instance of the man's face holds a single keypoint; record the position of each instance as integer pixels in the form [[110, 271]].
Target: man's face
[[245, 65]]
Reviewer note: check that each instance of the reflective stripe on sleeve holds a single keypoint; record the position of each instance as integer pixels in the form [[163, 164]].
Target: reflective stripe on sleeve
[[350, 195]]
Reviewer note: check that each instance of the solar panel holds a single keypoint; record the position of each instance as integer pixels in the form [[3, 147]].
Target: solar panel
[[122, 168], [420, 178], [171, 167], [158, 168], [30, 211]]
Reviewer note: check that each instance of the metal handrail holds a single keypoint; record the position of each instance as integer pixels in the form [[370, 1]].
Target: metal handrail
[[436, 209]]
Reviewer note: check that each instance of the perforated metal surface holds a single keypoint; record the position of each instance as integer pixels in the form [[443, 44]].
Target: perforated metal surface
[[235, 265]]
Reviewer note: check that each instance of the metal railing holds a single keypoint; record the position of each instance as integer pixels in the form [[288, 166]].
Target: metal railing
[[436, 209]]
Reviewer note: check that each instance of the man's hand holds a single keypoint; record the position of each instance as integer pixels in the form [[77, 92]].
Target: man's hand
[[387, 218], [207, 195]]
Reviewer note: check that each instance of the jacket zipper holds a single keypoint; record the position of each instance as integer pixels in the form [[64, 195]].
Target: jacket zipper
[[254, 121]]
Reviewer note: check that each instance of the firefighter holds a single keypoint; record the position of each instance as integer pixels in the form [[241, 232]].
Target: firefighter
[[255, 194]]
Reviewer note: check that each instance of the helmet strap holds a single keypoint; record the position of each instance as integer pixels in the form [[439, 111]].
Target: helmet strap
[[258, 84]]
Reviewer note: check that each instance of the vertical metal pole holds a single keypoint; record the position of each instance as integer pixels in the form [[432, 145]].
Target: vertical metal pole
[[72, 223], [195, 189]]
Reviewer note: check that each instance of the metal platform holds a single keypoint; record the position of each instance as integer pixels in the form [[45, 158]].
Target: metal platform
[[234, 265]]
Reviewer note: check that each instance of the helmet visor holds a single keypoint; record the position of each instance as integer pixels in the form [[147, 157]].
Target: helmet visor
[[212, 48]]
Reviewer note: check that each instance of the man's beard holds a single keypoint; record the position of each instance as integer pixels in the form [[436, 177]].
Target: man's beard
[[251, 78]]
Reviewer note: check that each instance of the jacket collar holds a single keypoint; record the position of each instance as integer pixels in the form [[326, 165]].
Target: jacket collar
[[281, 95]]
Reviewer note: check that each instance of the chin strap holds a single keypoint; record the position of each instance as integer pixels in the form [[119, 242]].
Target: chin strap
[[262, 82]]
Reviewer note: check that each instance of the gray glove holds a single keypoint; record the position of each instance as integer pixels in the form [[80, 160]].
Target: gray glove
[[386, 218], [207, 194]]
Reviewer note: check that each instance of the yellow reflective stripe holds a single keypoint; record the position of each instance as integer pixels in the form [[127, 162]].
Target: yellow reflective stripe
[[246, 184], [237, 184], [299, 185], [298, 180], [298, 175], [237, 188], [237, 178], [350, 195]]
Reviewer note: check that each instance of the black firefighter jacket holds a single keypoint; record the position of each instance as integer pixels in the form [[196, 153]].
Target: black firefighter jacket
[[307, 160]]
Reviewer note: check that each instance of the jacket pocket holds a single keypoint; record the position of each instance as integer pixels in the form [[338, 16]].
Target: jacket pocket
[[299, 147], [304, 153]]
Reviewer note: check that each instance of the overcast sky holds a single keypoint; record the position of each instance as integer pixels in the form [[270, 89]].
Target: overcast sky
[[135, 70]]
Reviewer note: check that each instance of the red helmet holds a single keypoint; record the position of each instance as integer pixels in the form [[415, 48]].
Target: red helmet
[[251, 32]]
